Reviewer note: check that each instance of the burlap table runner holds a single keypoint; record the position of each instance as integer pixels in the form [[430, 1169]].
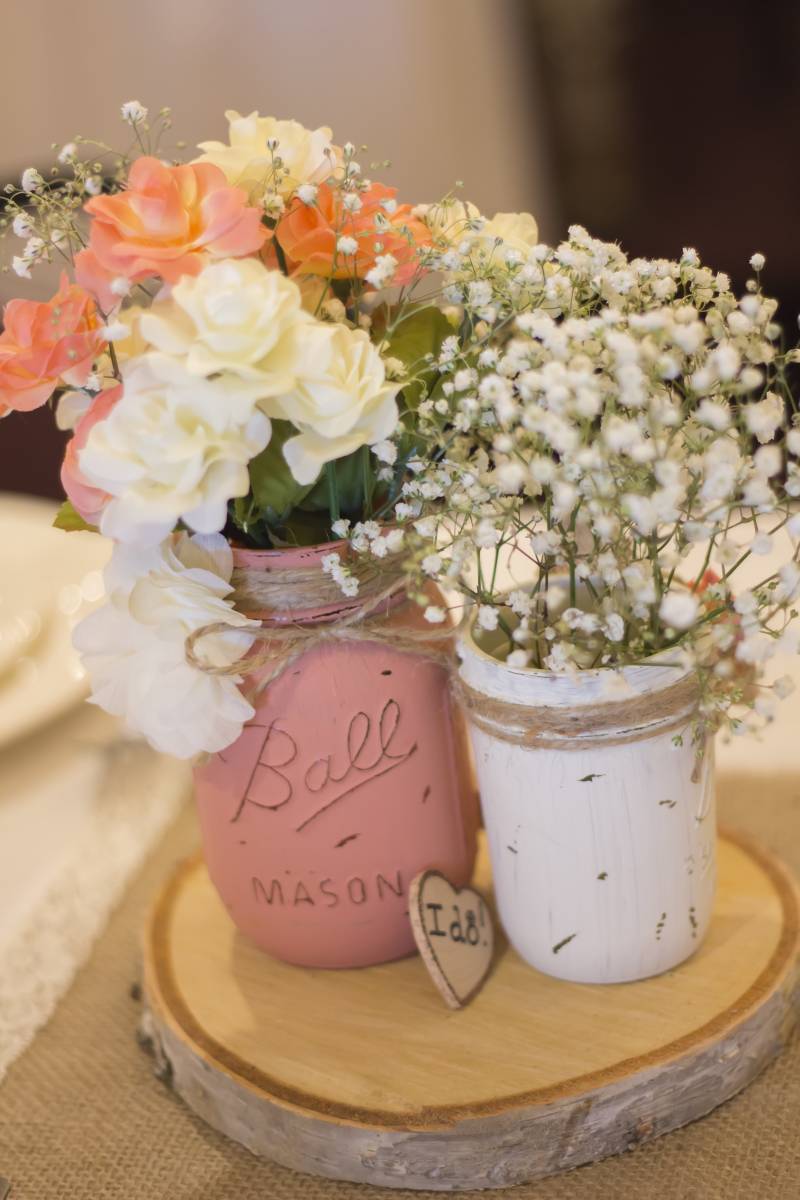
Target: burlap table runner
[[83, 1118]]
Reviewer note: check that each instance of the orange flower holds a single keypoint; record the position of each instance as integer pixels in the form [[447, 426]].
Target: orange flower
[[308, 234], [707, 580], [44, 344], [165, 222], [87, 501]]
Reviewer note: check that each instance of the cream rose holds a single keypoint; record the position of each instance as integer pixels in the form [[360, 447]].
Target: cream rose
[[235, 315], [449, 220], [341, 400], [174, 447], [134, 647], [307, 156], [518, 231]]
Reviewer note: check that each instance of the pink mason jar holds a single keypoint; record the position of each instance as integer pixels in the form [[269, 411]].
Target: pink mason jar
[[352, 777]]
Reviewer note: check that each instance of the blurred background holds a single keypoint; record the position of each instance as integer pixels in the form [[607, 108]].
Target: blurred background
[[659, 125]]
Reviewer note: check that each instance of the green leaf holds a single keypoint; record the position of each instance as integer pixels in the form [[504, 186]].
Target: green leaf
[[420, 333], [349, 484], [67, 518], [275, 490]]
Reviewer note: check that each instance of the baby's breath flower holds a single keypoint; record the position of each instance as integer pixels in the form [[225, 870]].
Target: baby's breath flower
[[435, 615], [133, 112], [385, 451], [32, 181], [487, 617]]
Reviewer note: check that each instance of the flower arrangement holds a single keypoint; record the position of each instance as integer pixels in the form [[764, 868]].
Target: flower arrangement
[[237, 346], [261, 347], [625, 431]]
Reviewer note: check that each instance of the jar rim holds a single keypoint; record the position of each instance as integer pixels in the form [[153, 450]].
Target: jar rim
[[539, 686]]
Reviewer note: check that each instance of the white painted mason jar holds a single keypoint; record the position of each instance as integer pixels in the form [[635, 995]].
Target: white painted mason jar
[[601, 825]]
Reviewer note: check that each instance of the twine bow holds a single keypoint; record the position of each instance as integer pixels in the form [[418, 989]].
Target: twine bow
[[287, 640]]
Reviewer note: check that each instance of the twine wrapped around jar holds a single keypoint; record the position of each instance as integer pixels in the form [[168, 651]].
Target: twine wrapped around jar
[[611, 723], [279, 598]]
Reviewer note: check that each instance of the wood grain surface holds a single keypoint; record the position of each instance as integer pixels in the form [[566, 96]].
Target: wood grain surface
[[364, 1075]]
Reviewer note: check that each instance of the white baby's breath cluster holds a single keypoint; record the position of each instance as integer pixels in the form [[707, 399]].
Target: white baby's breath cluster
[[626, 428]]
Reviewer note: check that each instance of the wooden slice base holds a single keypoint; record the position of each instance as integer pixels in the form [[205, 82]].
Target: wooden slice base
[[366, 1075]]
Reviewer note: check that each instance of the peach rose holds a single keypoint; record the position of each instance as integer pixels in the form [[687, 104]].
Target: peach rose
[[308, 234], [44, 344], [87, 501], [165, 223]]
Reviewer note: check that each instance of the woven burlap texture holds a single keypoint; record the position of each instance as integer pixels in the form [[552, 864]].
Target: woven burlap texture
[[83, 1118]]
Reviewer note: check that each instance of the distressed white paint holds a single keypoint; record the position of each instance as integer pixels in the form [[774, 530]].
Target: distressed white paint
[[622, 864]]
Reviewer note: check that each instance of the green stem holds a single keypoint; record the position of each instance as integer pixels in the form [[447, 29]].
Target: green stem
[[368, 480], [281, 257], [333, 491]]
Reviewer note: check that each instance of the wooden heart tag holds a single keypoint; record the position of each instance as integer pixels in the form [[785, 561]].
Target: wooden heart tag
[[454, 932]]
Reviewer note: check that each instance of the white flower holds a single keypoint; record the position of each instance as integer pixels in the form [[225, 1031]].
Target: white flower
[[341, 399], [237, 316], [679, 610], [768, 461], [764, 416], [745, 603], [757, 262], [487, 617], [383, 272], [21, 267], [347, 246], [307, 192], [761, 544], [22, 225], [307, 156], [341, 528], [755, 649], [486, 536], [547, 541], [784, 686], [385, 451], [133, 112], [520, 602], [642, 512], [31, 180], [115, 331], [788, 588], [518, 658], [715, 414], [434, 614], [432, 564], [614, 627], [174, 447], [134, 647]]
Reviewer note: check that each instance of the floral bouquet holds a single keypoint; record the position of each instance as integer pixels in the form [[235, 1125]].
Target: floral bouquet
[[238, 345], [624, 432]]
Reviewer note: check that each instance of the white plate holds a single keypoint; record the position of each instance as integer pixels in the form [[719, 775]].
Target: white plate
[[55, 576]]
